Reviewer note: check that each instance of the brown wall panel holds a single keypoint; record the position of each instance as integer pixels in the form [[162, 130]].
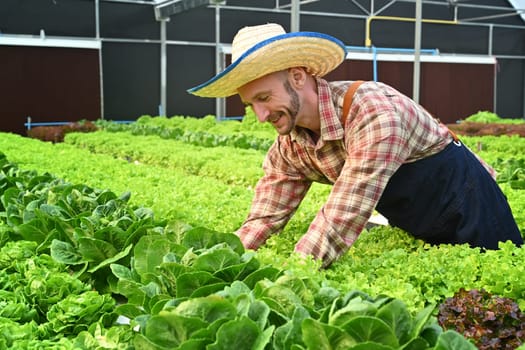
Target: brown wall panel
[[456, 91], [48, 84]]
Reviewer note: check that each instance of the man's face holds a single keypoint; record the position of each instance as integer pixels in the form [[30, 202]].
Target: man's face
[[273, 100]]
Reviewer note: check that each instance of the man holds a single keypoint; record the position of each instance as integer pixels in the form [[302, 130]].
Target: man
[[383, 152]]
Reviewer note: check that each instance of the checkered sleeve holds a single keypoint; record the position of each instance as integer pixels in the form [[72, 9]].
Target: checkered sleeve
[[277, 196]]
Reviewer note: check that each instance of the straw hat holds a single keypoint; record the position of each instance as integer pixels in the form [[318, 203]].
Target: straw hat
[[267, 48]]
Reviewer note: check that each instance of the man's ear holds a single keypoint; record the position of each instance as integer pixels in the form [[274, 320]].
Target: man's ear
[[297, 76]]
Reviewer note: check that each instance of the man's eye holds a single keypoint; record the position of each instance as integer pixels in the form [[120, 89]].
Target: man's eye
[[263, 98]]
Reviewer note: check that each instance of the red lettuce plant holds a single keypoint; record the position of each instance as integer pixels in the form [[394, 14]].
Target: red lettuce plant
[[490, 321], [56, 133]]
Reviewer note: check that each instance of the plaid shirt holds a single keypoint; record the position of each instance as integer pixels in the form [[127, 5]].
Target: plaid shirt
[[384, 129]]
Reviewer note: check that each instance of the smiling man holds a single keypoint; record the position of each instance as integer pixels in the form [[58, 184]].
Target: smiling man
[[378, 148], [274, 100]]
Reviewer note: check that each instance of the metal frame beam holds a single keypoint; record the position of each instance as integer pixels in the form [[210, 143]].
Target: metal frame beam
[[167, 8]]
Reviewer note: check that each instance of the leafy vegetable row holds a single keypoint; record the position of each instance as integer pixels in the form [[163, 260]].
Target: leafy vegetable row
[[231, 166], [208, 132], [169, 192], [205, 132], [184, 288], [429, 274], [490, 117]]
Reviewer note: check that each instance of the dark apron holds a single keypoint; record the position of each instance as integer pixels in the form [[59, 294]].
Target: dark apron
[[449, 198]]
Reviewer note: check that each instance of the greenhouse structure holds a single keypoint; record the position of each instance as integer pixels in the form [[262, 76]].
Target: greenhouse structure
[[132, 58], [164, 186]]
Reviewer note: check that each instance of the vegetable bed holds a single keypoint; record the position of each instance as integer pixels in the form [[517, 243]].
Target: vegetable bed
[[122, 238]]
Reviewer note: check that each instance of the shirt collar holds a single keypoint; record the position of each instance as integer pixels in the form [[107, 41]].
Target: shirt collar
[[331, 128]]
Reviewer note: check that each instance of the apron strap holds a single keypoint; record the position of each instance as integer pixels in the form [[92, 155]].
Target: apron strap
[[347, 101], [454, 136]]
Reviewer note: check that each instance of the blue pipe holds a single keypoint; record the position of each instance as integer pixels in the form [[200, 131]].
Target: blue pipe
[[375, 62], [391, 49], [29, 124], [236, 117]]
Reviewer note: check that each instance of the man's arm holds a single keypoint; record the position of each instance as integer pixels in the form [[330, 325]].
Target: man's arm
[[277, 196]]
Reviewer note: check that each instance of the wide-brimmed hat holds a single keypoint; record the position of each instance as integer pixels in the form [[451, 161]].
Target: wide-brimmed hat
[[267, 48]]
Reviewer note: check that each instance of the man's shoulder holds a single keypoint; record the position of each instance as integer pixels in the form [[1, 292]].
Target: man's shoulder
[[339, 87]]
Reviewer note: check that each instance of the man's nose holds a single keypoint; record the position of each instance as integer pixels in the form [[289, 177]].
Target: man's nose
[[261, 113]]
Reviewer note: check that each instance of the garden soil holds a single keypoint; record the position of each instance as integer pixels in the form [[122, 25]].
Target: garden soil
[[485, 129]]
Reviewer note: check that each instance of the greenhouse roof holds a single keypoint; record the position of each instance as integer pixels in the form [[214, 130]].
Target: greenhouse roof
[[517, 7], [520, 6]]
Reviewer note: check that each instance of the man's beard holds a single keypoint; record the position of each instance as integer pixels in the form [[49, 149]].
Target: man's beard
[[292, 109]]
